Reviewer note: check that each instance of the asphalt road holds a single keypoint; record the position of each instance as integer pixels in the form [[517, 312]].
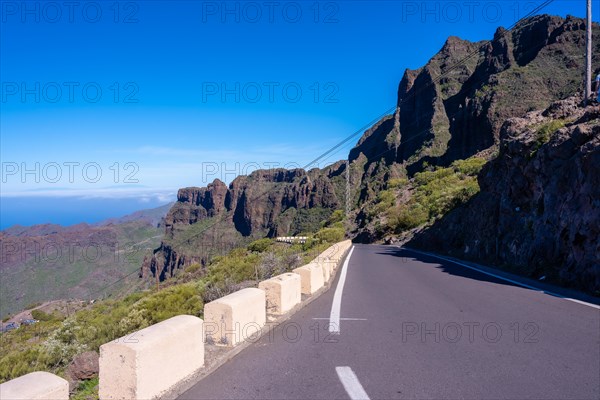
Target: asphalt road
[[416, 327]]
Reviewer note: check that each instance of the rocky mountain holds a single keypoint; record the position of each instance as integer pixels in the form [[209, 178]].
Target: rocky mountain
[[211, 220], [451, 109], [48, 262], [454, 106], [538, 211]]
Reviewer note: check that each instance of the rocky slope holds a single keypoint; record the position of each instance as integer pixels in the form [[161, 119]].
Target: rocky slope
[[454, 106], [47, 262], [538, 211], [451, 109], [211, 220]]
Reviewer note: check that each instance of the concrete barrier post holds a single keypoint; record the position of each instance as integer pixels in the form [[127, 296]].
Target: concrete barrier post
[[236, 317], [283, 292], [327, 269], [35, 386], [148, 363], [311, 276]]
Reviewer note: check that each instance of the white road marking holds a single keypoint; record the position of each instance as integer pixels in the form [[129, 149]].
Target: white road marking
[[351, 383], [334, 317], [507, 279], [345, 319]]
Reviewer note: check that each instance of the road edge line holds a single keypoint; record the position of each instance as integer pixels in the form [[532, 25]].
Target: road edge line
[[525, 285]]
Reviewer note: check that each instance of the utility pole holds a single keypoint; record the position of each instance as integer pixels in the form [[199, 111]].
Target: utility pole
[[348, 201], [588, 54], [347, 188]]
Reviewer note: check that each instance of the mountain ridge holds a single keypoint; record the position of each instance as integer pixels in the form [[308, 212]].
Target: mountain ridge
[[451, 109], [47, 262]]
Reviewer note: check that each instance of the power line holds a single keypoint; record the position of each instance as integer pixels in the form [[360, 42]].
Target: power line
[[453, 67], [360, 131]]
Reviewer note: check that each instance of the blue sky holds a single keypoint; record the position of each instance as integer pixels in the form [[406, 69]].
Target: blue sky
[[130, 101]]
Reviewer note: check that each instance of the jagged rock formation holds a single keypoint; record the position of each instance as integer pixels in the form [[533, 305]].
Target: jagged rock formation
[[451, 109], [538, 211], [454, 106], [211, 220]]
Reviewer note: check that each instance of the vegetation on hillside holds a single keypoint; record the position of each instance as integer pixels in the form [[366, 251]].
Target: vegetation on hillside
[[51, 344], [544, 133], [77, 265], [426, 197]]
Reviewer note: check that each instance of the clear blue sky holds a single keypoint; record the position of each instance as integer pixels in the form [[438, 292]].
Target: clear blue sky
[[167, 123]]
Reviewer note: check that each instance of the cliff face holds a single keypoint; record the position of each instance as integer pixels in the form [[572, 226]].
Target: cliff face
[[454, 106], [256, 201], [539, 205], [209, 221], [451, 109]]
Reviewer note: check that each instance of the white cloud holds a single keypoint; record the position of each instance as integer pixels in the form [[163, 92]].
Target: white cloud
[[141, 193]]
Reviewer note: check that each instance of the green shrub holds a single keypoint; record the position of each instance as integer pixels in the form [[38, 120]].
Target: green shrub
[[193, 268], [237, 266], [310, 243], [407, 217], [22, 350], [330, 235], [441, 195], [386, 199], [423, 178], [470, 166], [164, 304], [64, 343], [87, 390], [338, 225], [17, 363], [43, 316], [396, 183], [336, 217], [545, 131], [260, 245], [436, 193]]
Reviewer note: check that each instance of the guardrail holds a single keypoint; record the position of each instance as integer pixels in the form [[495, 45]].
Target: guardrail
[[291, 239], [150, 363], [283, 292], [312, 278], [35, 386], [235, 317]]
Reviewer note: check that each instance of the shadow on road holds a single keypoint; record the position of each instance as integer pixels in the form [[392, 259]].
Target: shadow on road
[[452, 268]]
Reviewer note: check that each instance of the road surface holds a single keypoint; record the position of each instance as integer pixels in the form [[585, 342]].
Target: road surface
[[412, 326]]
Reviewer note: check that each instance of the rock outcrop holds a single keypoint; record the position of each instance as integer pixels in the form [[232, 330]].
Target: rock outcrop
[[84, 366], [454, 106], [538, 211], [451, 109], [211, 220]]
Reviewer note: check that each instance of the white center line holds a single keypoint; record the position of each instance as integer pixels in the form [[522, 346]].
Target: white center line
[[351, 383], [334, 317]]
